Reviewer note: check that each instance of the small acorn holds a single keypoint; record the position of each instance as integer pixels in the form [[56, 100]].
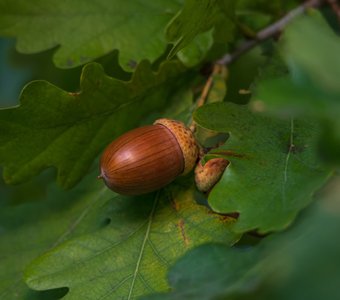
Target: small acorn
[[208, 175], [148, 158]]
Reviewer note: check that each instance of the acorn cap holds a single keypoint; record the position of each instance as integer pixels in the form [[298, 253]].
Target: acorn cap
[[186, 141]]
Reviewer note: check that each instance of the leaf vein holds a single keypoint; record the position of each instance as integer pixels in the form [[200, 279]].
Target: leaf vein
[[285, 172], [147, 233]]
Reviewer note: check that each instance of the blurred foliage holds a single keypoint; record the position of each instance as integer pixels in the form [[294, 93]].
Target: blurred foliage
[[208, 14], [301, 263], [273, 113], [312, 86]]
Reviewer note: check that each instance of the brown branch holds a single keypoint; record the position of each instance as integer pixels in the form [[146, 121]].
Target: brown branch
[[266, 33], [205, 91], [335, 7], [269, 32], [208, 85]]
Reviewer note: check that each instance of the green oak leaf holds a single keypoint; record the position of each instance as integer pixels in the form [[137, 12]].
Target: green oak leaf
[[66, 130], [28, 230], [302, 263], [53, 208], [195, 18], [196, 51], [129, 257], [273, 168], [220, 272], [242, 75], [311, 49], [312, 46], [86, 30]]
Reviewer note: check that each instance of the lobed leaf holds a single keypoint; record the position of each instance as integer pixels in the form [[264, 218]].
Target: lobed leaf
[[310, 48], [130, 256], [274, 168], [66, 130], [29, 229], [86, 30], [302, 263], [195, 18]]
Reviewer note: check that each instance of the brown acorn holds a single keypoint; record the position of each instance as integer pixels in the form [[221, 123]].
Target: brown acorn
[[148, 158], [208, 175]]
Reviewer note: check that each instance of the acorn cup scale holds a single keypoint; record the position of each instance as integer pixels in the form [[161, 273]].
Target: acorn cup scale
[[148, 158]]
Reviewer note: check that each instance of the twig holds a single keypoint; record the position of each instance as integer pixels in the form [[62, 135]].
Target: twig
[[270, 31], [208, 85], [261, 36], [335, 7], [205, 92]]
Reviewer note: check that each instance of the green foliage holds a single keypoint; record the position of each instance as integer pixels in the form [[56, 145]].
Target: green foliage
[[273, 168], [131, 255], [195, 52], [86, 30], [273, 113], [92, 238], [29, 229], [312, 88], [301, 263], [52, 127], [186, 25]]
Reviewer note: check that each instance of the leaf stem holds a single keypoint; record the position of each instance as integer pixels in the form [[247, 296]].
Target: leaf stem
[[217, 69], [269, 32]]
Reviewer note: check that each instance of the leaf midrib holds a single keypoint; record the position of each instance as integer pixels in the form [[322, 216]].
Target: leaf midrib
[[147, 233]]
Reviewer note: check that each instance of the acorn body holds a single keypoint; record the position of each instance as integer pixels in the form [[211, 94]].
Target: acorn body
[[148, 158], [208, 175]]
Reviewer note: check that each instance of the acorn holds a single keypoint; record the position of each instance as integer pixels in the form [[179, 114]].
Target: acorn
[[207, 175], [148, 158]]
